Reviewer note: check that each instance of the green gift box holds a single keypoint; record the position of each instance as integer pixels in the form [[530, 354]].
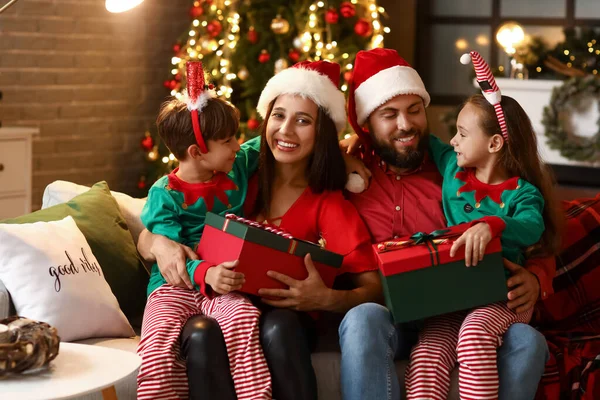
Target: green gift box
[[421, 280]]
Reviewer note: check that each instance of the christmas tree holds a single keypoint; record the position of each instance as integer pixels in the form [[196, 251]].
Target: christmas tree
[[243, 43]]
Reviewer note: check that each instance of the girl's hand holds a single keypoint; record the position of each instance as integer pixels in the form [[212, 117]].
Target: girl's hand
[[475, 240], [350, 145], [222, 279]]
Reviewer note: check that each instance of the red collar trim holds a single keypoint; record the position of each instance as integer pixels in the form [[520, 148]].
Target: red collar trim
[[216, 187], [494, 192]]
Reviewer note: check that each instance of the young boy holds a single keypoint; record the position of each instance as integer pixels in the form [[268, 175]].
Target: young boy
[[212, 176]]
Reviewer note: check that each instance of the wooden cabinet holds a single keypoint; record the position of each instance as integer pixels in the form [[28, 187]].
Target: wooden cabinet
[[15, 171]]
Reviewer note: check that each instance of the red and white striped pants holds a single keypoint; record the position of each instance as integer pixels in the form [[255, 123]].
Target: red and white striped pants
[[470, 337], [162, 374]]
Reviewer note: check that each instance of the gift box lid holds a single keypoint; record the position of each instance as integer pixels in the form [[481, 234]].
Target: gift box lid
[[272, 240], [428, 253]]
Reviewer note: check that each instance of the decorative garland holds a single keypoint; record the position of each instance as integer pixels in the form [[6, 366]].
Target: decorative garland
[[565, 98]]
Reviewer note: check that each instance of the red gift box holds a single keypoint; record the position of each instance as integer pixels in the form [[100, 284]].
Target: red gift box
[[260, 249], [420, 279]]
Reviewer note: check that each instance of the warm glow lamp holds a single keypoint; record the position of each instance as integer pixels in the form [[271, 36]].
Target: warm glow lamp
[[509, 36], [118, 6]]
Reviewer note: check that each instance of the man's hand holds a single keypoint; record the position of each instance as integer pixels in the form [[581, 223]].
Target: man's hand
[[475, 239], [171, 258], [222, 279], [524, 288], [307, 295]]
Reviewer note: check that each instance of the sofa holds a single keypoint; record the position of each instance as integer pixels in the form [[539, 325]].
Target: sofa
[[568, 311], [326, 358]]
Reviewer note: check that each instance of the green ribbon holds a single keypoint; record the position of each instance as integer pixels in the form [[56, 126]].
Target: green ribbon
[[427, 239]]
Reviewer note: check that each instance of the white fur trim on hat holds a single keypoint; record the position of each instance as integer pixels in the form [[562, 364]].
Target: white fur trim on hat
[[306, 83], [200, 102], [385, 85]]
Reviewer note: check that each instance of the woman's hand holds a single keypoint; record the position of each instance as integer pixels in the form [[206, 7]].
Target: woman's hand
[[171, 258], [222, 279], [350, 145], [475, 239], [307, 295]]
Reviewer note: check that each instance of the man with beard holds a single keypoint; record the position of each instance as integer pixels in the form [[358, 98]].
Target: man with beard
[[387, 103]]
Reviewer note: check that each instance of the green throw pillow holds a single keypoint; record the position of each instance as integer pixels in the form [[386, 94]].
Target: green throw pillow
[[98, 217]]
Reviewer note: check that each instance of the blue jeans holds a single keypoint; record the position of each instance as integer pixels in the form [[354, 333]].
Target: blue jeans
[[370, 342]]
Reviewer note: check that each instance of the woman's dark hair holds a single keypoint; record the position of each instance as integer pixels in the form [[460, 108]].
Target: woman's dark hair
[[325, 170], [519, 157], [218, 120]]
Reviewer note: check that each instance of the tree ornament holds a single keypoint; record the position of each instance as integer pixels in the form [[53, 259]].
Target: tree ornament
[[348, 76], [196, 12], [208, 46], [294, 55], [264, 56], [176, 48], [362, 27], [280, 65], [347, 9], [147, 142], [213, 28], [142, 183], [280, 25], [252, 35], [332, 16], [243, 73], [153, 154], [253, 124]]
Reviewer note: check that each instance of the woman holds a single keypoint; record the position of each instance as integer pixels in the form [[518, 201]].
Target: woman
[[301, 176]]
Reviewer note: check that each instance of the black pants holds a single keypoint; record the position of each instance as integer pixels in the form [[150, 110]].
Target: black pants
[[287, 338]]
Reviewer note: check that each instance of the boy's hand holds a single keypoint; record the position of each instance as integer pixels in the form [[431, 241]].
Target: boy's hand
[[222, 279], [475, 239], [350, 145]]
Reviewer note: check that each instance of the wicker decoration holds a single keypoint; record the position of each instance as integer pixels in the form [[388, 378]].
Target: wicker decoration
[[26, 345]]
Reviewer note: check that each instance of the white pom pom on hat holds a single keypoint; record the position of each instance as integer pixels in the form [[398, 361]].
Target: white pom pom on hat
[[465, 59]]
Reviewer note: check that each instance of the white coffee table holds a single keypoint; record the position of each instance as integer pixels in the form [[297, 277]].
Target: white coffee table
[[77, 370]]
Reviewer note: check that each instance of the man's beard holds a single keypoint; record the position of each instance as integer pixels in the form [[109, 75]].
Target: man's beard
[[411, 158]]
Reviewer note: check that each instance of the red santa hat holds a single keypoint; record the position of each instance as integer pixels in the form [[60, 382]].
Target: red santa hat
[[487, 83], [196, 98], [316, 80], [380, 75]]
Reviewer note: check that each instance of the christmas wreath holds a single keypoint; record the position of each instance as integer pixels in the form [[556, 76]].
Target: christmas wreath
[[565, 98]]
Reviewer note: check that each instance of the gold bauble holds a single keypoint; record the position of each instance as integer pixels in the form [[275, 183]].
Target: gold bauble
[[280, 65], [243, 73], [280, 25]]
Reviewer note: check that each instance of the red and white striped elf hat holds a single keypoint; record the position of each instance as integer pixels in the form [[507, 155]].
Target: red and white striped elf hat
[[196, 98], [488, 86]]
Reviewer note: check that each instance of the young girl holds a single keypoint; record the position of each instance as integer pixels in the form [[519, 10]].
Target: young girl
[[493, 178], [210, 177]]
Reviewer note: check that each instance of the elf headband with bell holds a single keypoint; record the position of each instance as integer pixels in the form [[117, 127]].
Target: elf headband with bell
[[488, 86], [198, 94]]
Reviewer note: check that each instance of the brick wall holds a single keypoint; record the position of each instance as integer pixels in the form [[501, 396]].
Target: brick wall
[[90, 80]]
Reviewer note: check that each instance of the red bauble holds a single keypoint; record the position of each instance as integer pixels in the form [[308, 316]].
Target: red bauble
[[362, 27], [209, 2], [196, 12], [332, 16], [294, 55], [141, 183], [172, 84], [176, 48], [348, 76], [264, 57], [178, 77], [147, 143], [167, 84], [252, 35], [253, 124], [214, 28], [347, 9]]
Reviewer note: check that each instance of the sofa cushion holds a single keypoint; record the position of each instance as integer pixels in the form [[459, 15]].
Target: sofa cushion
[[98, 217], [53, 276]]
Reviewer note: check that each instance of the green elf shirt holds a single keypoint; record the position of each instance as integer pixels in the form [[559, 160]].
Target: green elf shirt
[[177, 209], [513, 208]]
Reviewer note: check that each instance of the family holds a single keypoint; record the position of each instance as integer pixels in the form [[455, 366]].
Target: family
[[201, 338]]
